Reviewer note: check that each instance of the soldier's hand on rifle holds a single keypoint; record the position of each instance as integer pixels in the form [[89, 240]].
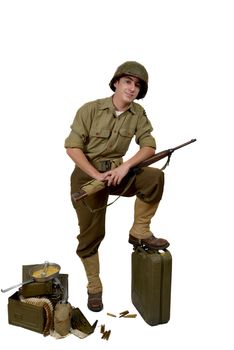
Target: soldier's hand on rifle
[[114, 177], [101, 177]]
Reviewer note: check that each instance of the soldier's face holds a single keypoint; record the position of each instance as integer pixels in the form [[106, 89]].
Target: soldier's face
[[127, 88]]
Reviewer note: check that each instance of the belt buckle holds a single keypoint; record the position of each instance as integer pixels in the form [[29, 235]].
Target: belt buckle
[[105, 165]]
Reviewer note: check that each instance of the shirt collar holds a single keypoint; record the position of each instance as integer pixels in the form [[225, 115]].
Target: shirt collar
[[106, 103]]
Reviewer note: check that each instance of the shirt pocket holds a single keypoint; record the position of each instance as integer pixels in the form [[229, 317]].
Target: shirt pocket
[[100, 133], [98, 140], [125, 137]]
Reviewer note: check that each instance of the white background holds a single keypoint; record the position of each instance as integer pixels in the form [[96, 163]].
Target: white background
[[57, 55]]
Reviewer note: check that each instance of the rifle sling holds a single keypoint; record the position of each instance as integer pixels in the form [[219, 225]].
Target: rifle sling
[[134, 171], [107, 205], [167, 162]]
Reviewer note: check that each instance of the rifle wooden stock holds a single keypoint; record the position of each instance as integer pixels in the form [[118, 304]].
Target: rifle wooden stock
[[95, 185]]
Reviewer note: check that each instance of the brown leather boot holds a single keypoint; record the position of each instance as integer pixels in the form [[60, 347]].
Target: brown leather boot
[[95, 301], [151, 242]]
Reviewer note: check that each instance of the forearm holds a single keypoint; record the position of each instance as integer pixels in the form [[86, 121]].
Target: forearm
[[78, 156], [115, 176], [142, 154]]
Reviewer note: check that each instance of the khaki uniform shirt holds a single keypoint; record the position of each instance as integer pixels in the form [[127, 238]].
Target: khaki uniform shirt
[[100, 134]]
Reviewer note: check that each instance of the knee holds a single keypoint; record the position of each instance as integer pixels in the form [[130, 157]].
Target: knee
[[155, 176], [153, 185], [157, 173]]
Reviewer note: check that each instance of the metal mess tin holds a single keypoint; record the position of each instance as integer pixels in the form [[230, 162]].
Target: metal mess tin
[[40, 273]]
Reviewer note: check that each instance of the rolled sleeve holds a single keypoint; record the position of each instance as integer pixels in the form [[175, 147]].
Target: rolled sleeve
[[79, 129], [73, 141], [148, 141], [143, 133]]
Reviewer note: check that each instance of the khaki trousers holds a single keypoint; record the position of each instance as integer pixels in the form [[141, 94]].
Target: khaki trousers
[[147, 185]]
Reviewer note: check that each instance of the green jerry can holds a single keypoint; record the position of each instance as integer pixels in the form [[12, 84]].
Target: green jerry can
[[151, 284]]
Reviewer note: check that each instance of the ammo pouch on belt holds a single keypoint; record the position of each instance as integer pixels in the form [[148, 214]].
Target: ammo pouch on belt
[[107, 164]]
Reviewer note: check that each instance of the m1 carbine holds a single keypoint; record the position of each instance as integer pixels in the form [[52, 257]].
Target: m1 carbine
[[94, 186]]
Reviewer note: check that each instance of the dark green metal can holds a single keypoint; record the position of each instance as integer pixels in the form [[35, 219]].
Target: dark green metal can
[[151, 284]]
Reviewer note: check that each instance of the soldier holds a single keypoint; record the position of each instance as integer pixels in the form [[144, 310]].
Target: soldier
[[100, 136]]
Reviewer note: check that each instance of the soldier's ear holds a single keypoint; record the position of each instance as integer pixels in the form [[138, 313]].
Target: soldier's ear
[[115, 83]]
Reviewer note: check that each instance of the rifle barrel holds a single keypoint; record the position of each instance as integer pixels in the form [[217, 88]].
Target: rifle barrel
[[184, 144]]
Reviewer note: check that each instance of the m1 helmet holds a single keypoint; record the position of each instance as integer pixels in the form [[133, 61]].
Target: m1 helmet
[[134, 69]]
